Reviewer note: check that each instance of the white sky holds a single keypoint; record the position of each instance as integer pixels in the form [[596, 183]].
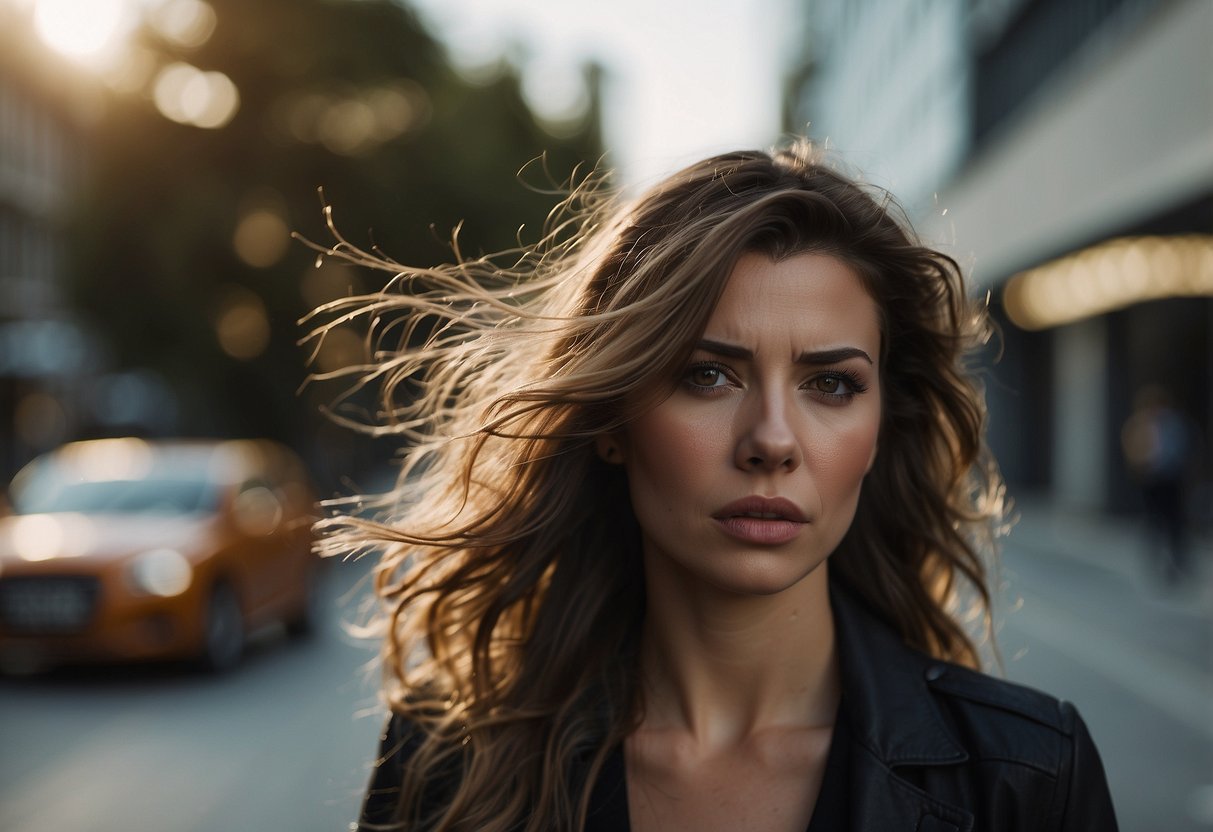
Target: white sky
[[686, 78]]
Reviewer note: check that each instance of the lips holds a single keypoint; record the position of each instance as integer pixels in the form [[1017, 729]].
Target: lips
[[766, 521]]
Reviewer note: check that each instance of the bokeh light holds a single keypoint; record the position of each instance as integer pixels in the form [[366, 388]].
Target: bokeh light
[[261, 237], [352, 122], [1109, 276], [348, 126], [241, 324], [560, 98], [188, 23], [329, 281], [162, 571], [189, 95], [37, 536], [133, 74], [257, 511], [341, 349]]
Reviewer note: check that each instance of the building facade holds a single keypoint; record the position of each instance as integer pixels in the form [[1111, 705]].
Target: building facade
[[47, 357], [1062, 151]]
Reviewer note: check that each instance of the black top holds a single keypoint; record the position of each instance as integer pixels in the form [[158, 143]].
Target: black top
[[609, 800], [830, 812]]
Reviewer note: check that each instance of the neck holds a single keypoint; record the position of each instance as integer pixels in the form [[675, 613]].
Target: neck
[[723, 667]]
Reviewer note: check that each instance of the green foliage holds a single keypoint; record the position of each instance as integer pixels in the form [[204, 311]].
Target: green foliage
[[154, 231]]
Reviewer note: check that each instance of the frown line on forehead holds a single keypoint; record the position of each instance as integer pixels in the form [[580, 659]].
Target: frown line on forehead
[[812, 357]]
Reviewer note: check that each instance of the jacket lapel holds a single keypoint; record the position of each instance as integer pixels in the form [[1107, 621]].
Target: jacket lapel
[[882, 799], [896, 723]]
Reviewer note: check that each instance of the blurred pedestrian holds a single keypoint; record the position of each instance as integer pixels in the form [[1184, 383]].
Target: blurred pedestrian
[[690, 497], [1158, 445]]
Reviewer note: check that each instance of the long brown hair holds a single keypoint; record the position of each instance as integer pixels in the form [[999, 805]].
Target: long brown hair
[[510, 581]]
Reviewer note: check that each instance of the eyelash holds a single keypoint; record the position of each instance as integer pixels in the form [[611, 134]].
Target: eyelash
[[855, 385]]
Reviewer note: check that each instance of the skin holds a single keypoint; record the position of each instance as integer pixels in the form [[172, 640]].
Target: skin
[[741, 678]]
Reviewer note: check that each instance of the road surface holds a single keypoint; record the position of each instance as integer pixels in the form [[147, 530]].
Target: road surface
[[284, 743]]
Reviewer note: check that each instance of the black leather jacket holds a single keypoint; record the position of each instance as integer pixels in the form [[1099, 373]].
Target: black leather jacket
[[934, 747], [947, 749]]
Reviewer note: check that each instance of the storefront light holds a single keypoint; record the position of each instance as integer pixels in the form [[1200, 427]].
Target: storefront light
[[1110, 276]]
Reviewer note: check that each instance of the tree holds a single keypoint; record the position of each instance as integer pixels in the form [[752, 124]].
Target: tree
[[179, 237]]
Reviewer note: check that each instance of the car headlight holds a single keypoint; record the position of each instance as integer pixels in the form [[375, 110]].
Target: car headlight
[[163, 572]]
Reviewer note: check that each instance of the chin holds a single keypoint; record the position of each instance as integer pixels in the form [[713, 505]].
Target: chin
[[764, 575]]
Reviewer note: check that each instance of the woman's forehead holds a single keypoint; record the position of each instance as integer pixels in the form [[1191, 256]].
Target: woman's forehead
[[808, 299]]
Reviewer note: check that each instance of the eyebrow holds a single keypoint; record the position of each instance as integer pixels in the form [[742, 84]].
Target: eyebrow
[[815, 357]]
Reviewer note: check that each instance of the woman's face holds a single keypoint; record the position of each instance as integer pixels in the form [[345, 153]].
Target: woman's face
[[748, 475]]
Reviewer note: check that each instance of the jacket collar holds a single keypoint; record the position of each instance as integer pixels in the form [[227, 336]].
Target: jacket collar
[[895, 722], [894, 713]]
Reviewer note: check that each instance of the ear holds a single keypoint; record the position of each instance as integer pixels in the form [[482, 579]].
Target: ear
[[609, 447]]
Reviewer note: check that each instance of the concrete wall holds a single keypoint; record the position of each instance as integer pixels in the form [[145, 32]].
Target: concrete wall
[[1080, 414], [1120, 137]]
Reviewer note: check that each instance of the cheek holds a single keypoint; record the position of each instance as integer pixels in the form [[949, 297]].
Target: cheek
[[666, 455], [845, 461]]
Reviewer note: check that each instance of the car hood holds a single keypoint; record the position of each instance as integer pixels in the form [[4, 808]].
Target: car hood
[[39, 537]]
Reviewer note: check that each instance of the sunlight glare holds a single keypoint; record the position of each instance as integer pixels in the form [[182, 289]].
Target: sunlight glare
[[81, 29]]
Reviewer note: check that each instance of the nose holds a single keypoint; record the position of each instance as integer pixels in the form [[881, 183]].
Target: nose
[[767, 440]]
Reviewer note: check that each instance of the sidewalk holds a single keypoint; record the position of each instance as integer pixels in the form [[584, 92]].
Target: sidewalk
[[1113, 544]]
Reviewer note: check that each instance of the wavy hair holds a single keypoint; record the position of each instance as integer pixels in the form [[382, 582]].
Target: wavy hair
[[510, 581]]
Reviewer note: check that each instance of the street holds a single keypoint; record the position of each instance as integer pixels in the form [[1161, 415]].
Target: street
[[285, 742], [1138, 663]]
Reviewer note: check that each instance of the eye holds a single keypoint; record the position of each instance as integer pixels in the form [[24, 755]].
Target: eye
[[705, 376], [831, 384], [836, 386]]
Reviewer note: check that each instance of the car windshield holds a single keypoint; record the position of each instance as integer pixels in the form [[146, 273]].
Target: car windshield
[[143, 496]]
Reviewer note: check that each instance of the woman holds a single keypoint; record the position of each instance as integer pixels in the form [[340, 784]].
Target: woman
[[694, 492]]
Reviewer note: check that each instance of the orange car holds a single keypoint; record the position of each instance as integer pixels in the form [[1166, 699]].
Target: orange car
[[131, 549]]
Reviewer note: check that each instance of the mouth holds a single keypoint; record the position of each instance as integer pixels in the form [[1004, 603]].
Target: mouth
[[762, 508], [766, 521]]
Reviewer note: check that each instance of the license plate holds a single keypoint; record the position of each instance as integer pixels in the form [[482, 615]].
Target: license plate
[[46, 604]]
